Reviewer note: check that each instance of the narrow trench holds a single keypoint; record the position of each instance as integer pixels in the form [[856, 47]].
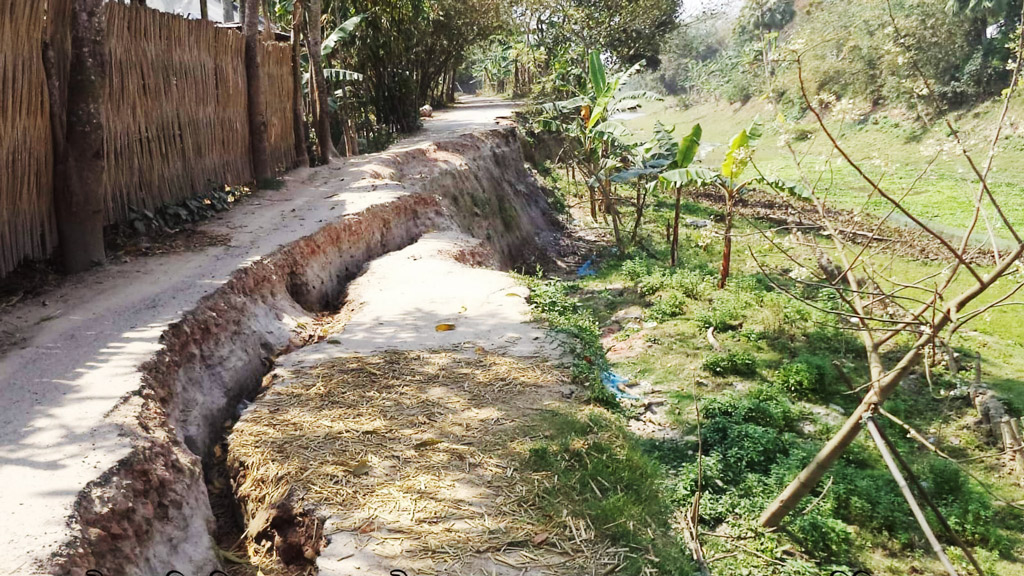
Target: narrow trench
[[229, 531]]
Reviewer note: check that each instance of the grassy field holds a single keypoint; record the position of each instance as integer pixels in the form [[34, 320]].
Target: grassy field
[[894, 152], [768, 402]]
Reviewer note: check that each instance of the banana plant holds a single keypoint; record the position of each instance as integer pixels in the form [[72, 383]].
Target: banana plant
[[677, 175], [597, 142], [728, 180], [642, 166]]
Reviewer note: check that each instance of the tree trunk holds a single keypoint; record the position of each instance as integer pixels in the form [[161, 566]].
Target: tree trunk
[[229, 11], [268, 22], [351, 138], [322, 116], [241, 11], [641, 204], [674, 257], [79, 202], [298, 112], [138, 2], [257, 104], [723, 277], [611, 209], [204, 10]]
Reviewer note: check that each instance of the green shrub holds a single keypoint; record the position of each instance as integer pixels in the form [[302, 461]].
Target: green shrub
[[804, 376], [731, 364], [636, 268], [694, 284], [724, 314], [824, 538], [669, 306], [653, 282]]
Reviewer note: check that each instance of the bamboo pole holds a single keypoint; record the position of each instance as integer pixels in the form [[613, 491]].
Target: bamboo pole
[[923, 494], [872, 427]]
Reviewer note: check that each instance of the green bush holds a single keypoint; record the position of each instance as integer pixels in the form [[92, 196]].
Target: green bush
[[822, 537], [669, 306], [731, 364], [804, 376], [726, 312], [636, 268]]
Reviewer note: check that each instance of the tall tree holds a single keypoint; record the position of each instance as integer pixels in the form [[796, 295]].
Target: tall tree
[[257, 103], [318, 83], [204, 10], [79, 202], [299, 113]]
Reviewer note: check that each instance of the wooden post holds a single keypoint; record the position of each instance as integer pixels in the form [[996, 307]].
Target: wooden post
[[204, 10], [257, 104], [907, 494], [79, 199]]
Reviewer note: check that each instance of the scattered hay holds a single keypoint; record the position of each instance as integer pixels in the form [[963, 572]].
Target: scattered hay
[[416, 450]]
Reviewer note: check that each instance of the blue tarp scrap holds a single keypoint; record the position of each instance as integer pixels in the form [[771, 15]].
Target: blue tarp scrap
[[613, 382], [587, 269]]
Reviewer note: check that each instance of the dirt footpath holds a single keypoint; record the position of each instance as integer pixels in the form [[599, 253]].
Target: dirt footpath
[[72, 388]]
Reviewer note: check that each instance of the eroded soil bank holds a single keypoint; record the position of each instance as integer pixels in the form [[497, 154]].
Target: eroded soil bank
[[151, 513]]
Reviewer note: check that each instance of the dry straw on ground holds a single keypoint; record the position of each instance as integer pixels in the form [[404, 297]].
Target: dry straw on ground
[[416, 449]]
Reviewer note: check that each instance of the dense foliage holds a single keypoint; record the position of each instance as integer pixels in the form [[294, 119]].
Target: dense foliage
[[858, 49]]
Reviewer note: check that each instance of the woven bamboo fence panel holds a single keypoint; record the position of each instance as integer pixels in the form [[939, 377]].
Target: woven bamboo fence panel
[[276, 61], [27, 225], [176, 109]]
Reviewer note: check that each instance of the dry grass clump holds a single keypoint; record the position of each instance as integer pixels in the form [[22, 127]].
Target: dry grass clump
[[415, 449]]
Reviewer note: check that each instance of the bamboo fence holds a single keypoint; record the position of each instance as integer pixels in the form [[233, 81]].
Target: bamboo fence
[[176, 114], [276, 59], [176, 118], [27, 225]]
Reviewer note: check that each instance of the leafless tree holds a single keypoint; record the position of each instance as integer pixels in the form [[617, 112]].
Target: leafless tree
[[880, 308]]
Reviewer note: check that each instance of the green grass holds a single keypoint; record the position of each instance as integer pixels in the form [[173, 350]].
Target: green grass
[[602, 473], [894, 152], [766, 401]]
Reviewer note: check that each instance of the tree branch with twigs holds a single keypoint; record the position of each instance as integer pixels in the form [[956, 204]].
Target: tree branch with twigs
[[939, 305]]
